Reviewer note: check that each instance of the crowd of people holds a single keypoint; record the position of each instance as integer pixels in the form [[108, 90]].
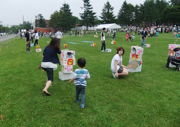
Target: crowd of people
[[31, 38], [151, 28]]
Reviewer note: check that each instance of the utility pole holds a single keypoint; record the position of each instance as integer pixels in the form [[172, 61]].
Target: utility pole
[[23, 19]]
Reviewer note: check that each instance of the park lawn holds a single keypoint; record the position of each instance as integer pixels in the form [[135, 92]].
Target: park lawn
[[147, 99]]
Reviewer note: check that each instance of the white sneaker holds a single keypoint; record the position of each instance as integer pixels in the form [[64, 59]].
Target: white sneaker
[[102, 50], [114, 75]]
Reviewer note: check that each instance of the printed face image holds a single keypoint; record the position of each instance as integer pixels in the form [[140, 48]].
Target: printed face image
[[134, 55]]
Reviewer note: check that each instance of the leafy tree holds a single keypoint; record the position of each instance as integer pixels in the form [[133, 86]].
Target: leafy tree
[[172, 15], [67, 21], [63, 19], [126, 14], [15, 28], [54, 20], [88, 16], [138, 11], [150, 11], [154, 10], [40, 21], [175, 2], [26, 25], [4, 29], [107, 13], [161, 5]]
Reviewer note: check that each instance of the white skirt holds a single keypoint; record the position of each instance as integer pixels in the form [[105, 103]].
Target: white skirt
[[113, 70], [49, 65]]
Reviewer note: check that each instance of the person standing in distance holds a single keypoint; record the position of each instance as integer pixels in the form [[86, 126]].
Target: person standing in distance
[[103, 40], [36, 38], [27, 36]]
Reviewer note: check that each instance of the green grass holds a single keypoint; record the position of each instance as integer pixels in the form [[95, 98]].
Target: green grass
[[147, 99]]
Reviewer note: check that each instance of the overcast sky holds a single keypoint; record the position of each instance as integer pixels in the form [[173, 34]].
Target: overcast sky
[[13, 11]]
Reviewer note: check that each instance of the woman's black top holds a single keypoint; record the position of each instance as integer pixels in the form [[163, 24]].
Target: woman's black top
[[50, 54]]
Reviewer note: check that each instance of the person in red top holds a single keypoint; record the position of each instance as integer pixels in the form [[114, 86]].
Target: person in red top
[[127, 36]]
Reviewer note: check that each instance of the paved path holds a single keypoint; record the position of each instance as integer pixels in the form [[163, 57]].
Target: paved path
[[7, 37]]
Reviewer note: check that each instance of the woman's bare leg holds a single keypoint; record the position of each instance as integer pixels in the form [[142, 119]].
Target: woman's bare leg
[[48, 84]]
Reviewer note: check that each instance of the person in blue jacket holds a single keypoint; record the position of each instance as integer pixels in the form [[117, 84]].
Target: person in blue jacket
[[50, 62], [144, 34]]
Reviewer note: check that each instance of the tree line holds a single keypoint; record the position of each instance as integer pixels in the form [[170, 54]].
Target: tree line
[[16, 28], [150, 12]]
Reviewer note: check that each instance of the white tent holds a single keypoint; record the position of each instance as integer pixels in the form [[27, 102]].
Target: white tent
[[83, 28], [111, 26]]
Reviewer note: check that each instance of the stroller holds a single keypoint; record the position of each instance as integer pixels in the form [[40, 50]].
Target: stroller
[[174, 60]]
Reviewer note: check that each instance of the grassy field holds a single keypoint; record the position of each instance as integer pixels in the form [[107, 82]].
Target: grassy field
[[147, 99]]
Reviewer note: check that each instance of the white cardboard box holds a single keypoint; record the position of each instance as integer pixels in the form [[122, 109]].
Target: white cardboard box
[[66, 76]]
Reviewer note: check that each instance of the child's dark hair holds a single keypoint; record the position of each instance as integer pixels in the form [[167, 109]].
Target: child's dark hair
[[81, 62], [119, 49]]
